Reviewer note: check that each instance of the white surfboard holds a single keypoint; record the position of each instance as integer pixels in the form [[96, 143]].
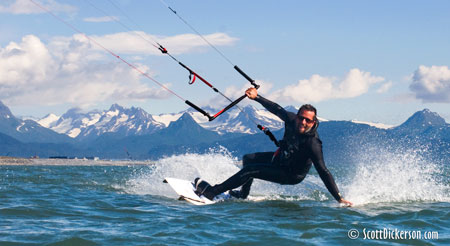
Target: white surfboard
[[186, 190]]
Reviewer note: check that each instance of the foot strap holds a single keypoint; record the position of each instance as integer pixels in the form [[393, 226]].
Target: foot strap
[[199, 190]]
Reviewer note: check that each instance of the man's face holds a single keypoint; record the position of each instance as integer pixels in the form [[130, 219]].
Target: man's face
[[306, 121]]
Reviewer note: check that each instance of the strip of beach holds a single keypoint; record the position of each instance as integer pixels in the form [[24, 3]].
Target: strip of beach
[[17, 161]]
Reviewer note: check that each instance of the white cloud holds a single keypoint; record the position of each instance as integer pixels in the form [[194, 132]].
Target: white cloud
[[67, 71], [234, 93], [191, 42], [403, 98], [101, 19], [319, 88], [75, 70], [28, 7], [27, 61], [431, 84], [141, 42], [384, 87]]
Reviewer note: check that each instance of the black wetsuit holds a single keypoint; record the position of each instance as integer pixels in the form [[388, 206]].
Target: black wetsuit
[[289, 164]]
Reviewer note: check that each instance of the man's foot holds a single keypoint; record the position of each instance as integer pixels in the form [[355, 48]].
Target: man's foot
[[236, 194], [203, 188]]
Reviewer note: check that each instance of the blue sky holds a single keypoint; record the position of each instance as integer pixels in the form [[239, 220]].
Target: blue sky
[[377, 61]]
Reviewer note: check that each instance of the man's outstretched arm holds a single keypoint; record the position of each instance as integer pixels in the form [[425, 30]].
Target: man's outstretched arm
[[325, 174], [272, 107]]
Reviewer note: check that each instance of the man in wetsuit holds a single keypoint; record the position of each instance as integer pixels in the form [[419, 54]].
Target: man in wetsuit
[[299, 149]]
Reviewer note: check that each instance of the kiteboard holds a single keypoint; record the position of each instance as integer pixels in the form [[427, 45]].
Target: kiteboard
[[186, 190]]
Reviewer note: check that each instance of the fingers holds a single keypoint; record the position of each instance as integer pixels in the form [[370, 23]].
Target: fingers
[[346, 203], [251, 93]]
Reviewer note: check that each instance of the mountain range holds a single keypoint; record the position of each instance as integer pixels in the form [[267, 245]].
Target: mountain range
[[120, 133], [135, 121], [27, 130]]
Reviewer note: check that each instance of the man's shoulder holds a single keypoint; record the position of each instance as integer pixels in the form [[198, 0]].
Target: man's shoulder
[[314, 138], [291, 116]]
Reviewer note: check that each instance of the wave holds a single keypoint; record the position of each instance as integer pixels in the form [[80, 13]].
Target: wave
[[377, 177], [382, 175], [215, 167]]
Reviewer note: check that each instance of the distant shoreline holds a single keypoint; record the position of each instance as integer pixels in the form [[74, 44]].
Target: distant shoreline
[[17, 161]]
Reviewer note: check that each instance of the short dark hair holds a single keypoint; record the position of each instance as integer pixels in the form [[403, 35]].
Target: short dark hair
[[308, 107]]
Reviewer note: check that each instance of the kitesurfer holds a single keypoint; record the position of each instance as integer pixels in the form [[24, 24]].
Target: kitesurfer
[[289, 164]]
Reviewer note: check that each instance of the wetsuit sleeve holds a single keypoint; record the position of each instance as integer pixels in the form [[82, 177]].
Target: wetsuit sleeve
[[319, 164], [273, 108]]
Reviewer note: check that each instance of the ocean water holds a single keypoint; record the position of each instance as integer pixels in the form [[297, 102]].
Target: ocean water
[[400, 199]]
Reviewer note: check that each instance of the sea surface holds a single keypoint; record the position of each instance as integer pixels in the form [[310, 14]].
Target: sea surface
[[399, 200]]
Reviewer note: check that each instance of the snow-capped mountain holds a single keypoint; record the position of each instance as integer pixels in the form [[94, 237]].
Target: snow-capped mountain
[[106, 134], [245, 121], [377, 125], [117, 119], [71, 122], [48, 120], [124, 122], [135, 121], [27, 130]]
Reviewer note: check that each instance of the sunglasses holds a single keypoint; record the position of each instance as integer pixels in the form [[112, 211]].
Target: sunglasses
[[309, 121]]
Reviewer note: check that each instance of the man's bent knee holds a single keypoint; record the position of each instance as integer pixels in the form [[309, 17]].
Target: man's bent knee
[[247, 158]]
